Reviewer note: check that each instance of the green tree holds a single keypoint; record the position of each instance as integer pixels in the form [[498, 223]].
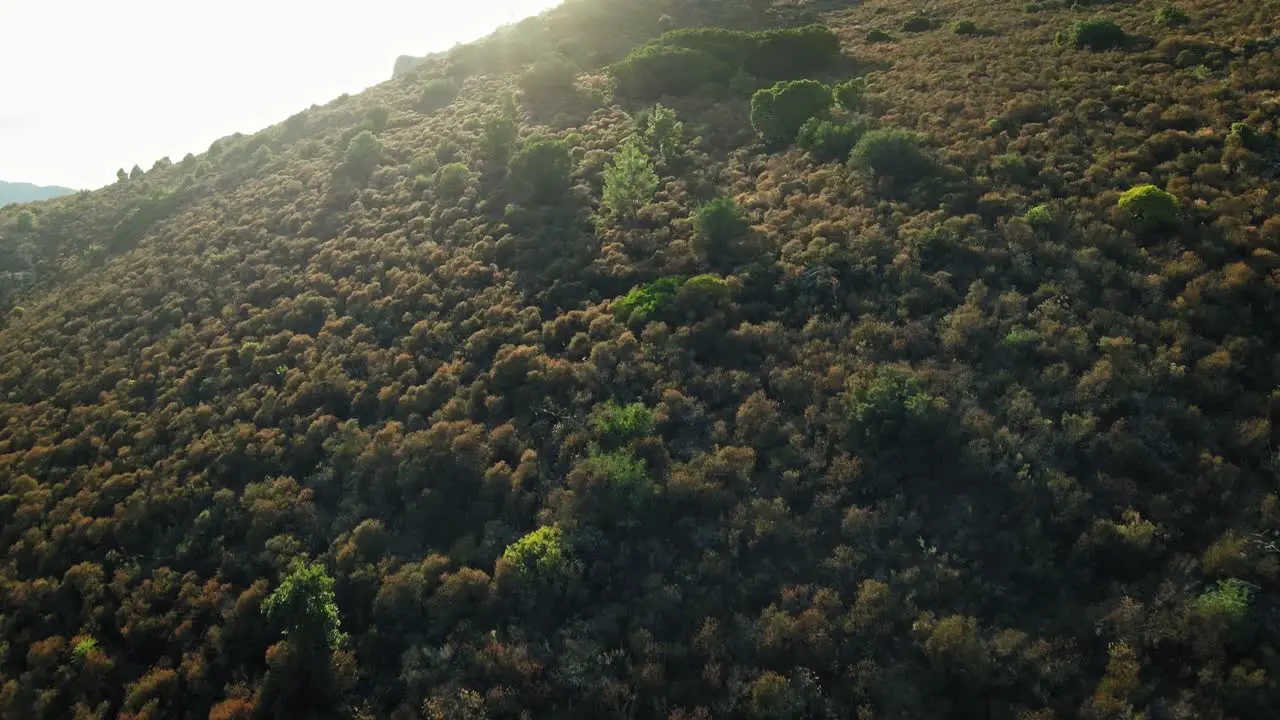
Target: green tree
[[719, 224], [1150, 207], [629, 180], [452, 180], [437, 94], [778, 113], [121, 175], [541, 554], [304, 603], [363, 153], [830, 140], [499, 140], [892, 153], [136, 173], [1095, 34], [540, 172], [664, 134]]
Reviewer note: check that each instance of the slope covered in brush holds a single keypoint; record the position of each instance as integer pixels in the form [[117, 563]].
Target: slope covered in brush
[[635, 362]]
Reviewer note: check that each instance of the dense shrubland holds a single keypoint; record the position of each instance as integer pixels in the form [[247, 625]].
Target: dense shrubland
[[500, 390]]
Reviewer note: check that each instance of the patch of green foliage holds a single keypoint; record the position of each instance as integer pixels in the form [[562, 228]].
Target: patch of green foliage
[[541, 554], [778, 112], [363, 153], [629, 180], [452, 180], [876, 35], [663, 134], [437, 94], [719, 224], [1039, 217], [1095, 34], [1150, 207], [892, 404], [305, 604], [648, 300], [831, 140], [684, 60], [617, 424], [548, 77], [964, 27], [919, 23], [1171, 15], [540, 171], [892, 153], [1227, 603], [851, 94]]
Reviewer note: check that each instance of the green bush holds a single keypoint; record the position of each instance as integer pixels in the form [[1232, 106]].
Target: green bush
[[628, 490], [1227, 603], [648, 300], [703, 294], [877, 35], [682, 61], [893, 404], [452, 180], [830, 140], [437, 94], [964, 27], [549, 76], [1150, 207], [1096, 34], [498, 141], [363, 153], [1170, 14], [793, 52], [893, 153], [540, 172], [778, 113], [629, 180], [654, 70], [719, 224], [541, 554], [304, 603], [663, 134], [1039, 217], [918, 23], [620, 423], [851, 94]]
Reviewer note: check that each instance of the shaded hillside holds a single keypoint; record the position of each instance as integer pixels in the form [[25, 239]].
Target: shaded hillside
[[847, 360], [11, 192]]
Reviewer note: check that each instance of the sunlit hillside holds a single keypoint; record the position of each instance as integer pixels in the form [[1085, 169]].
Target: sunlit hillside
[[673, 359]]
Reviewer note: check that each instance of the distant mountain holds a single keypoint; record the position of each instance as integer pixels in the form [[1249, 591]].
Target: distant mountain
[[26, 192]]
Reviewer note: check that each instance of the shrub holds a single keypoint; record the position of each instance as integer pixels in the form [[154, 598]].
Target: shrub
[[1228, 602], [648, 300], [1170, 14], [549, 76], [703, 294], [437, 94], [1039, 217], [893, 153], [877, 35], [778, 113], [654, 70], [850, 94], [627, 488], [540, 171], [964, 27], [452, 180], [918, 23], [619, 423], [541, 554], [719, 224], [830, 140], [363, 153], [305, 604], [793, 52], [1096, 34], [498, 140], [1150, 207], [663, 133], [629, 180], [892, 404]]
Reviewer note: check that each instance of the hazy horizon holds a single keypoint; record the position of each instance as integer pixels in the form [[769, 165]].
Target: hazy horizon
[[104, 86]]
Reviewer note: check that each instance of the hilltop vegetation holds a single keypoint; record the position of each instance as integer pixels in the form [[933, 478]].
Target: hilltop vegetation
[[929, 374]]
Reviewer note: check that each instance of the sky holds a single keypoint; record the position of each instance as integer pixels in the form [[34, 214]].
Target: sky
[[88, 87]]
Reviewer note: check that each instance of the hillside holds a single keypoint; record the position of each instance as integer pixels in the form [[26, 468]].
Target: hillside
[[11, 192], [673, 359]]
